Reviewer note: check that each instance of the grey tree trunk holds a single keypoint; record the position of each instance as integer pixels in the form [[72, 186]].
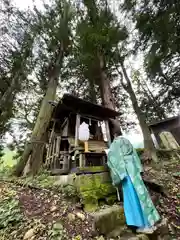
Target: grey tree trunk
[[105, 88], [34, 149], [148, 143], [92, 91], [33, 153]]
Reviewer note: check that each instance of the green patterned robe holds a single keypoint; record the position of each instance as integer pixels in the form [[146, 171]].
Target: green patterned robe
[[123, 161]]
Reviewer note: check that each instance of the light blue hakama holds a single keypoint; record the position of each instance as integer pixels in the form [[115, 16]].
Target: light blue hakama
[[132, 207]]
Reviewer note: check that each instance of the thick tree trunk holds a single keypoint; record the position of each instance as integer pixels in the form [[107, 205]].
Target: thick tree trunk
[[92, 91], [148, 143], [105, 88], [33, 152], [34, 149]]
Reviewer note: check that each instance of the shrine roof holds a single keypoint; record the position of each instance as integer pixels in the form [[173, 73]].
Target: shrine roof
[[72, 104], [155, 123]]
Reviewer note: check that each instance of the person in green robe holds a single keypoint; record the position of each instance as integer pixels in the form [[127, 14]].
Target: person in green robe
[[125, 168]]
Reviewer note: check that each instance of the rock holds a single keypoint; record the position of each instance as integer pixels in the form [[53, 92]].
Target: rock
[[33, 238], [142, 237], [147, 168], [63, 180], [71, 217], [162, 231], [29, 234], [100, 238], [109, 219], [116, 232], [137, 237], [53, 208], [58, 226], [81, 216]]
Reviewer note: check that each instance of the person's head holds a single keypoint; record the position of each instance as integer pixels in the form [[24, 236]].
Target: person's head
[[117, 132], [115, 128]]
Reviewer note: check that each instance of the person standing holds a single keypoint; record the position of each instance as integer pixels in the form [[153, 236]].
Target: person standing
[[125, 168]]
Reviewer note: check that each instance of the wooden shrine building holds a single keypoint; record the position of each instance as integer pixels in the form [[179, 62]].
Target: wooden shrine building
[[171, 125], [65, 153]]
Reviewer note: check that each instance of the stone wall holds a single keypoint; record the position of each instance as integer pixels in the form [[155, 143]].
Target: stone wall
[[95, 187], [92, 187]]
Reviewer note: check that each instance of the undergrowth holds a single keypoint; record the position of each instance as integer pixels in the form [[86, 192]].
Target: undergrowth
[[10, 212], [13, 222]]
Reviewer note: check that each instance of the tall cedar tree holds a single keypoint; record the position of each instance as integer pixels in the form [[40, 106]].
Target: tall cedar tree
[[56, 33]]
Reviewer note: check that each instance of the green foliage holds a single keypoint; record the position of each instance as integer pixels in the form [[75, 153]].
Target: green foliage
[[77, 238], [157, 23], [5, 171], [15, 58], [58, 232], [10, 213], [140, 150], [35, 52], [70, 191], [42, 180], [98, 33], [6, 164]]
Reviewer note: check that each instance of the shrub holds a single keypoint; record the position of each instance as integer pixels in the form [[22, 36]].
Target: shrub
[[9, 210]]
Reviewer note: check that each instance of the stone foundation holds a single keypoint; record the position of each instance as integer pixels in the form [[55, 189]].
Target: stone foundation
[[95, 187], [91, 187], [109, 221]]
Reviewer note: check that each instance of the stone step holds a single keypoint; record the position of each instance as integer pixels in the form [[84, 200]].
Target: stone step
[[134, 237], [128, 236], [108, 220], [110, 223]]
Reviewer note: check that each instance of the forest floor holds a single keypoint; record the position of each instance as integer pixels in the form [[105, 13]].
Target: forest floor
[[32, 209], [168, 176]]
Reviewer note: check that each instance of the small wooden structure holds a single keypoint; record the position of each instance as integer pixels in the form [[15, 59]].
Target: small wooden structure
[[65, 153], [171, 125]]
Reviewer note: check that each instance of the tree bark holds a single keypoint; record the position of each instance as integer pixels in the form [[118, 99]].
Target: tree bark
[[33, 152], [34, 149], [105, 88], [148, 143], [92, 91]]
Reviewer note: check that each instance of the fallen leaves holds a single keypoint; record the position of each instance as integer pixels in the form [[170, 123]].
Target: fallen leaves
[[40, 210], [168, 206], [46, 212]]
